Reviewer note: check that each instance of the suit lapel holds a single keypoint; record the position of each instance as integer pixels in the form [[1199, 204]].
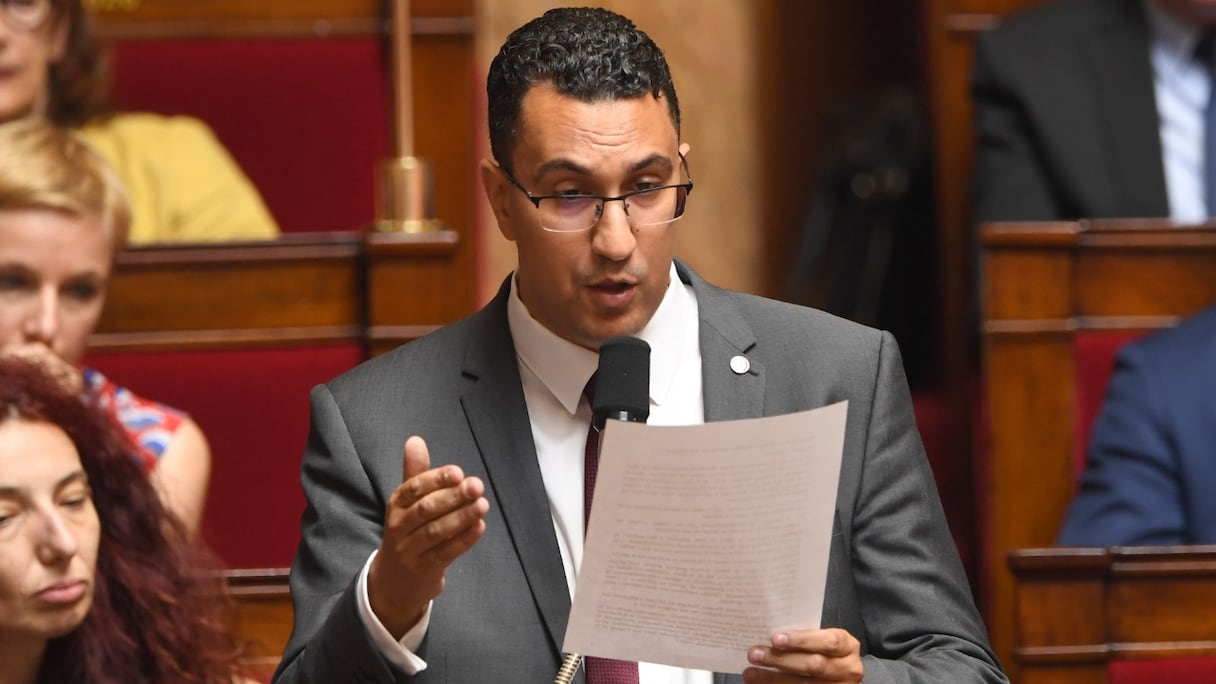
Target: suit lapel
[[498, 418], [1122, 75], [726, 339]]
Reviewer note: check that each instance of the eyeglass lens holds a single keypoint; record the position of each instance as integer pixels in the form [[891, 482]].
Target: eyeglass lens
[[647, 208]]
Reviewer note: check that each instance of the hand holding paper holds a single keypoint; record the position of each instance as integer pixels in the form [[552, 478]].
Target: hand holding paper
[[707, 539], [821, 654]]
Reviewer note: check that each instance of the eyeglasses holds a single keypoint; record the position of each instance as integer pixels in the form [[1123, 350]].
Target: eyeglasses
[[577, 213], [25, 15]]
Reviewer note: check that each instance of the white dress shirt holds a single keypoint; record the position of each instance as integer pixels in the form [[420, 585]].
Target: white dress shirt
[[554, 372], [1181, 85]]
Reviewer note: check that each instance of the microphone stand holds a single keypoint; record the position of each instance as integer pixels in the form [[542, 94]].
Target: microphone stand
[[570, 665]]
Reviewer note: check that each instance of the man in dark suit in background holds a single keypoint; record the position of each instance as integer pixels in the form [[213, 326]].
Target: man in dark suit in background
[[457, 563], [1093, 109]]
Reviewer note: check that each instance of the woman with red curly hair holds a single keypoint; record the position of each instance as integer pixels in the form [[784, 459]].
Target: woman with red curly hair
[[98, 584]]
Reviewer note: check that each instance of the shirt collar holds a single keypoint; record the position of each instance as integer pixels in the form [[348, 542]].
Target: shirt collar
[[564, 367]]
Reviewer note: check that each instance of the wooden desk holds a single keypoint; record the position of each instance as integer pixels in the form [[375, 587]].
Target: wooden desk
[[1045, 283], [313, 288], [263, 616], [1079, 609]]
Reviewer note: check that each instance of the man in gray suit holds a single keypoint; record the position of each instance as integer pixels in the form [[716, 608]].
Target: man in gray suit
[[456, 562]]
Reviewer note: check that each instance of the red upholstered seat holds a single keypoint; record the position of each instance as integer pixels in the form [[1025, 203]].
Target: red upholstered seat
[[306, 119], [253, 406], [1095, 353], [1172, 670]]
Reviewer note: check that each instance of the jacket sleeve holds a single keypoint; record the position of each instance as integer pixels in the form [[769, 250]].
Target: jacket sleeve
[[341, 526], [921, 624]]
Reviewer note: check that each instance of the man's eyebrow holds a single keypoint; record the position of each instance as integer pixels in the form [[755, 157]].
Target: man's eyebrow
[[562, 164], [15, 266]]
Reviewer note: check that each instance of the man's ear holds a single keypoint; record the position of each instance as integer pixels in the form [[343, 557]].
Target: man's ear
[[684, 148], [497, 188]]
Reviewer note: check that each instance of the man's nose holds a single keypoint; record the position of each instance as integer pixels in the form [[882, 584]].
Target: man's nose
[[612, 236]]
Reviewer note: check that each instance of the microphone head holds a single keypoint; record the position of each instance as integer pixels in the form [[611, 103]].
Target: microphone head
[[622, 382]]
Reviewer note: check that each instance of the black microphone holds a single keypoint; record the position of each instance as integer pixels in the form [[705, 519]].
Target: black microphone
[[622, 392], [622, 382]]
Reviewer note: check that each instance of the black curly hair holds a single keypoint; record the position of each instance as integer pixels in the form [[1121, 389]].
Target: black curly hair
[[588, 53]]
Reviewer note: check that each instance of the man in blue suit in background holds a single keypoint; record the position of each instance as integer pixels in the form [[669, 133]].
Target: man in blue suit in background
[[1150, 478]]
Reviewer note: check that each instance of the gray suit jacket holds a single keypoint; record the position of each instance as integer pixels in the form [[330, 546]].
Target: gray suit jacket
[[1066, 116], [894, 579]]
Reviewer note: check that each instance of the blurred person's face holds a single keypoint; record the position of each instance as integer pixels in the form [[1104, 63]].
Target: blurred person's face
[[31, 40], [54, 270], [49, 534], [588, 286], [1198, 12]]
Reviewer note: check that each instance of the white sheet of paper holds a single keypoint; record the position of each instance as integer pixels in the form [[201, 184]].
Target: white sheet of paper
[[705, 539]]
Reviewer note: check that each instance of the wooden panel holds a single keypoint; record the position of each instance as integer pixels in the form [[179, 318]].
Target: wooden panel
[[302, 288], [446, 126], [410, 284], [1065, 645], [158, 19], [308, 288], [263, 614], [1077, 609], [136, 19], [1049, 282], [1028, 282], [1024, 498]]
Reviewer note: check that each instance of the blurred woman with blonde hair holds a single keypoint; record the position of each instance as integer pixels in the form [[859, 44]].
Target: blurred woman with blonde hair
[[63, 214]]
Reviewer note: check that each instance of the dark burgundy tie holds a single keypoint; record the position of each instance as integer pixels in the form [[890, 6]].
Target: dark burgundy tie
[[599, 670]]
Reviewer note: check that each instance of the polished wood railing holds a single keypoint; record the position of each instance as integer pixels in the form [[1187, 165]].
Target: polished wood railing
[[1081, 612], [1044, 285]]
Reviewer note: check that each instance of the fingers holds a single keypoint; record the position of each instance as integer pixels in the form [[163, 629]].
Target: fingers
[[835, 643], [823, 655], [436, 520], [66, 374], [435, 510], [417, 457], [434, 516]]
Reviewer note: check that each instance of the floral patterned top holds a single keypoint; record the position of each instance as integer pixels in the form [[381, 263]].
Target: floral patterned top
[[149, 424]]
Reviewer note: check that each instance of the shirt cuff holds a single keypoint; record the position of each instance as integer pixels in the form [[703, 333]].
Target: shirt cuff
[[400, 653]]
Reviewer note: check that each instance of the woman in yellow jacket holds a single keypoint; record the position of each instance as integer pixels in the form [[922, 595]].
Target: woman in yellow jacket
[[184, 186]]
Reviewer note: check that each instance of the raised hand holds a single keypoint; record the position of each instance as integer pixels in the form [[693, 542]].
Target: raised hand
[[433, 517]]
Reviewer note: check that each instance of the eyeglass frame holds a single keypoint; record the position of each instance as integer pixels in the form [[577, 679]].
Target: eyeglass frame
[[604, 200], [22, 25]]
